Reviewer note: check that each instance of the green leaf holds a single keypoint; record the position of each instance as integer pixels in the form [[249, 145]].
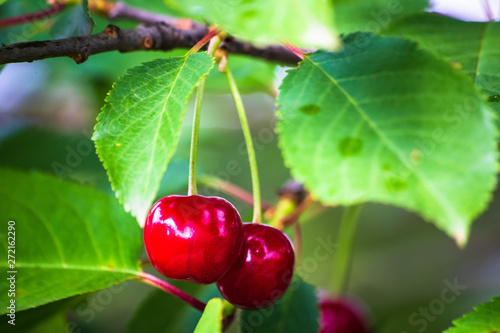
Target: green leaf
[[80, 239], [304, 23], [373, 15], [296, 312], [211, 320], [390, 123], [73, 22], [484, 319], [139, 127], [472, 46]]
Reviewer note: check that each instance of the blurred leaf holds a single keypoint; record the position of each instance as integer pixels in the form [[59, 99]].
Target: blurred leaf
[[3, 1], [140, 124], [251, 75], [73, 22], [305, 23], [373, 15], [162, 313], [80, 239], [296, 312], [484, 319], [57, 323], [176, 177], [29, 320], [472, 46], [211, 320], [390, 123], [67, 156]]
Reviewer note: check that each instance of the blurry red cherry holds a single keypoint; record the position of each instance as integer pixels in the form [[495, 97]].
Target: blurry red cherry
[[340, 316]]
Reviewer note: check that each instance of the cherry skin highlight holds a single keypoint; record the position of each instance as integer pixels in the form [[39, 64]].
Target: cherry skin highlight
[[193, 238], [263, 271], [340, 316]]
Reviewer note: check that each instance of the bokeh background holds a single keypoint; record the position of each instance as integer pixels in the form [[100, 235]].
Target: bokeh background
[[400, 262]]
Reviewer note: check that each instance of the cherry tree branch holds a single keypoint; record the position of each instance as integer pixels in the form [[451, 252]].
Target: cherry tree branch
[[158, 36], [158, 32]]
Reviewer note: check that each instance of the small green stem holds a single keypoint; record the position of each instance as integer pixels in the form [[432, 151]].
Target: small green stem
[[343, 254], [257, 212], [192, 190]]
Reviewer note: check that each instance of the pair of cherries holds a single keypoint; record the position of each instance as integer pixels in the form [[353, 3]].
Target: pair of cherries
[[203, 240]]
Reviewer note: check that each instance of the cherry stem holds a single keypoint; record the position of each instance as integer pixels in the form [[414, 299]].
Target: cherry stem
[[168, 288], [208, 37], [192, 189], [345, 239], [294, 49], [257, 211], [30, 17]]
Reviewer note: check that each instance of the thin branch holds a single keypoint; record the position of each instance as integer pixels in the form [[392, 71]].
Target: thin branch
[[120, 10], [488, 11], [168, 288], [30, 17], [233, 190], [158, 36]]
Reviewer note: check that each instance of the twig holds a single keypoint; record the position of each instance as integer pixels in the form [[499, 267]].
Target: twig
[[232, 189], [120, 10], [488, 11], [158, 36], [167, 287], [30, 17]]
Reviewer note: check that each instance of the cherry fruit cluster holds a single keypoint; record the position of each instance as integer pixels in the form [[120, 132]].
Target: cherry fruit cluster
[[203, 240]]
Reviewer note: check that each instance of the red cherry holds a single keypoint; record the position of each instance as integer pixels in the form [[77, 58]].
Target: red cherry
[[263, 270], [340, 316], [193, 238]]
